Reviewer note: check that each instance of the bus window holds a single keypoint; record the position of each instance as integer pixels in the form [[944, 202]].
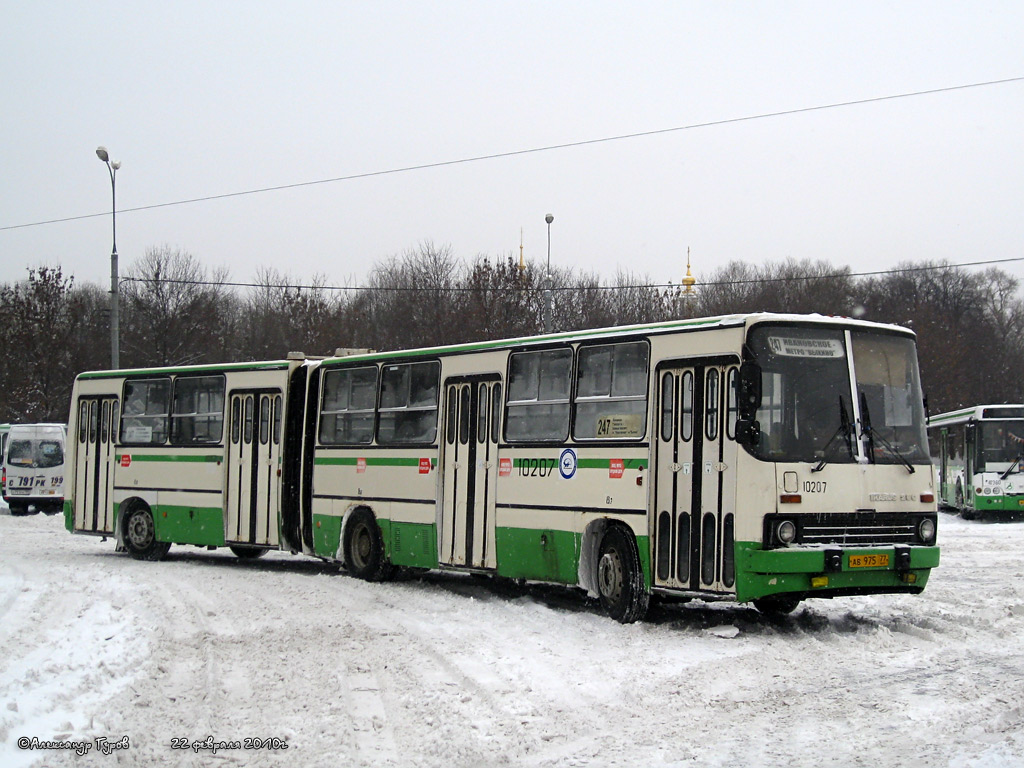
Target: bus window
[[264, 420], [83, 420], [667, 407], [711, 405], [408, 403], [611, 391], [686, 411], [197, 412], [145, 413], [481, 414], [346, 414], [495, 413], [538, 395], [731, 403]]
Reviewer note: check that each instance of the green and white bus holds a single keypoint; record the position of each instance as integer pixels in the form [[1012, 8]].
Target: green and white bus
[[765, 458], [979, 455]]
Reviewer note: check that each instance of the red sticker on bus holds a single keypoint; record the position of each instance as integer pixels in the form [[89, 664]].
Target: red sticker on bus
[[424, 466], [505, 467], [616, 467], [360, 465], [126, 460]]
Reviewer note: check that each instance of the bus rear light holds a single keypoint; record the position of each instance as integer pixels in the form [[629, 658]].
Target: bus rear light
[[819, 581], [908, 578], [927, 498], [790, 498]]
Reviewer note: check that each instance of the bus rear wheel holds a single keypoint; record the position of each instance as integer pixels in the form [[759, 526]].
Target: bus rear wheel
[[620, 579], [140, 535], [364, 548]]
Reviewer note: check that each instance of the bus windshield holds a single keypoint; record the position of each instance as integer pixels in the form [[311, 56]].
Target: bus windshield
[[1000, 442], [807, 410]]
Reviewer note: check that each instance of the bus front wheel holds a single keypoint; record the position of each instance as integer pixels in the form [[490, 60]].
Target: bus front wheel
[[364, 548], [620, 579], [777, 605], [247, 553], [140, 535]]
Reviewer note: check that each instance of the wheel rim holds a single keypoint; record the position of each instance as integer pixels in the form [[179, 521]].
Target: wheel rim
[[609, 575], [140, 530], [362, 546]]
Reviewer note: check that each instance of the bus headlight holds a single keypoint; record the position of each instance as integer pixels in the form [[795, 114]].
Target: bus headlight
[[926, 530], [785, 532]]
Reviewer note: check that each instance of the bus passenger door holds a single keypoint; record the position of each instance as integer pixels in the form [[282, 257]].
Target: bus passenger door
[[693, 527], [95, 460], [673, 497], [469, 463], [253, 468]]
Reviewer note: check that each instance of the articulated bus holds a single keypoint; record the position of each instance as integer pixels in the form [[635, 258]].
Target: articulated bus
[[979, 454], [756, 458]]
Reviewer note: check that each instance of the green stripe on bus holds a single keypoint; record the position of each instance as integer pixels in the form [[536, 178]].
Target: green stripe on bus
[[591, 463], [211, 458], [370, 461], [606, 463]]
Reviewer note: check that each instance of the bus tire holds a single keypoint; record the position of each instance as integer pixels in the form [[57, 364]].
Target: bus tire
[[364, 548], [140, 535], [248, 553], [18, 510], [619, 577], [777, 605]]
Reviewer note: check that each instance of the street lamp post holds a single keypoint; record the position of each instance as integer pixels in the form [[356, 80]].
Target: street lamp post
[[547, 291], [112, 166]]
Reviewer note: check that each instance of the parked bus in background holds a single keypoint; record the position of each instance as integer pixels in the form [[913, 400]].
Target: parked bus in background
[[978, 452], [33, 468], [764, 458]]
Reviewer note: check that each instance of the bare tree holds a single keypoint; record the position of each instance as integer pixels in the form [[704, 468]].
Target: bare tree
[[173, 310]]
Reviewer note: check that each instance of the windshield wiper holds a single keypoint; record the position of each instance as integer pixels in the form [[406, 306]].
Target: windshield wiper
[[845, 431], [869, 431], [1016, 462], [1013, 466]]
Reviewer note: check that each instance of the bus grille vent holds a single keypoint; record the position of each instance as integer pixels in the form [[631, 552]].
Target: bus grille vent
[[859, 535]]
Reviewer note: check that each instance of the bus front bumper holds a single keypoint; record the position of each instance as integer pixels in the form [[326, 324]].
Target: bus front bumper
[[831, 571]]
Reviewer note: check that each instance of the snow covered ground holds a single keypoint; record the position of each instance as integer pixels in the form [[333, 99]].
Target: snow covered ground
[[450, 671]]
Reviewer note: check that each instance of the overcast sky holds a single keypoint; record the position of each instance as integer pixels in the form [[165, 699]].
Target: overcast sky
[[199, 99]]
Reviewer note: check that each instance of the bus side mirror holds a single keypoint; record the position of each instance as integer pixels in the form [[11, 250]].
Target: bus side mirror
[[749, 394], [748, 433]]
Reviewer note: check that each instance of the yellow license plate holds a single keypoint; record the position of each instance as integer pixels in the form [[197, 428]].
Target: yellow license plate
[[869, 561]]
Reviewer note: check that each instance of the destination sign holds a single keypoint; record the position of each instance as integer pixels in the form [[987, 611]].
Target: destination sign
[[795, 347]]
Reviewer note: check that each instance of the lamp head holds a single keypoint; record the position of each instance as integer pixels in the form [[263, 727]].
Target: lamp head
[[549, 218], [101, 153]]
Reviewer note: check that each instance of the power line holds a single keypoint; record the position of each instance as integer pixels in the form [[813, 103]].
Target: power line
[[649, 286], [532, 150]]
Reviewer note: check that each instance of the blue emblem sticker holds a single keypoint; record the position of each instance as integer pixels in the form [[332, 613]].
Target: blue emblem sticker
[[567, 463]]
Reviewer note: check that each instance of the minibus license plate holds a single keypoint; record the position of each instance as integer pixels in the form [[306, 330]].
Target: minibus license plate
[[869, 561]]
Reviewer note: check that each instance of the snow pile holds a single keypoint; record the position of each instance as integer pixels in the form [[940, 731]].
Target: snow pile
[[457, 671]]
